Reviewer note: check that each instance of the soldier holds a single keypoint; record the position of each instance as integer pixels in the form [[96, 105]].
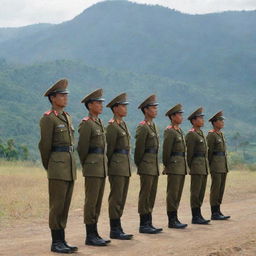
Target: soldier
[[175, 164], [57, 153], [119, 169], [92, 153], [146, 160], [218, 165], [198, 163]]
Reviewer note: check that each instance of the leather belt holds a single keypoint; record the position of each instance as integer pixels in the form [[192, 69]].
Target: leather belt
[[219, 153], [63, 149], [199, 154], [151, 150], [178, 154], [96, 151], [122, 151]]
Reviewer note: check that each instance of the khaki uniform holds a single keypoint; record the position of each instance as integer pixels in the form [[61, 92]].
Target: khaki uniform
[[119, 169], [146, 160], [57, 135], [175, 165], [218, 165], [197, 159], [92, 153]]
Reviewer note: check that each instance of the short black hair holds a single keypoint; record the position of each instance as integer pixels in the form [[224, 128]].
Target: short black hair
[[49, 97], [112, 107], [143, 109]]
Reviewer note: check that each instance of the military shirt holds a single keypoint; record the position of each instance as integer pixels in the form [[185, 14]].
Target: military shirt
[[174, 142], [92, 136], [216, 143], [57, 131], [147, 138], [118, 138], [197, 145]]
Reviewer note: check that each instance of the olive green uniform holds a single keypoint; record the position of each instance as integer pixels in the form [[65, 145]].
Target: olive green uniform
[[119, 169], [92, 153], [175, 165], [57, 154], [146, 160], [218, 165], [197, 160]]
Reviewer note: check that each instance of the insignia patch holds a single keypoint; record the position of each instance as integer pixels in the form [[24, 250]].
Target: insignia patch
[[61, 126]]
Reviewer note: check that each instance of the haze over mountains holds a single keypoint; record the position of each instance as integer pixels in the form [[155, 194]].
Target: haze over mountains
[[207, 60]]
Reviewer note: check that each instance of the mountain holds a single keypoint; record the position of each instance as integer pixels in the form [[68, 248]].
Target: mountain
[[197, 60], [208, 49], [22, 101]]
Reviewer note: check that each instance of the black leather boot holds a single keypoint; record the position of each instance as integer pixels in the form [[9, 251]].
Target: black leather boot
[[107, 241], [92, 237], [150, 223], [117, 232], [72, 248], [174, 221], [226, 216], [145, 227], [57, 243], [197, 218], [216, 213]]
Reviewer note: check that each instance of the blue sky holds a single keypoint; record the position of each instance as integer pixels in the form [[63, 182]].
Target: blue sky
[[24, 12]]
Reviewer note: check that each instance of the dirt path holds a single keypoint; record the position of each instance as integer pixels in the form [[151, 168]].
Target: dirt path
[[234, 237]]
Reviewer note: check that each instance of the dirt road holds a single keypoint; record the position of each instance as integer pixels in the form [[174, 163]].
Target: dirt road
[[236, 236]]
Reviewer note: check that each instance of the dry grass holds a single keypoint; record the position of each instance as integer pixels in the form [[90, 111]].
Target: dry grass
[[24, 197]]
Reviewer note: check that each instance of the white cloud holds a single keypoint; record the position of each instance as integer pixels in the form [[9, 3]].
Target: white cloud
[[24, 12]]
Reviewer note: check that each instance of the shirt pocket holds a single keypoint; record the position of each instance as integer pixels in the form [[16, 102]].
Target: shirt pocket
[[61, 134]]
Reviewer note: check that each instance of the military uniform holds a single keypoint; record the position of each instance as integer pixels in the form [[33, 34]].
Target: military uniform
[[175, 166], [197, 159], [57, 153], [92, 153], [119, 168], [146, 160], [217, 157]]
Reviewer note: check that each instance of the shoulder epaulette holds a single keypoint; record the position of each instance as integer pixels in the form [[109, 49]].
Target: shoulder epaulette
[[111, 121], [143, 122], [86, 118], [47, 113], [169, 127], [212, 131], [67, 113], [192, 130]]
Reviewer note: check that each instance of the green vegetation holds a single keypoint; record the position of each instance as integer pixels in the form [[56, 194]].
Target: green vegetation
[[197, 60]]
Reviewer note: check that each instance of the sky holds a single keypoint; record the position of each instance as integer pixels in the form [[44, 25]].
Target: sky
[[16, 13]]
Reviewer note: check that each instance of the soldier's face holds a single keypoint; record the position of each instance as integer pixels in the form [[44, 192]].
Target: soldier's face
[[96, 107], [120, 110], [177, 118], [151, 111], [199, 121], [219, 124], [60, 100]]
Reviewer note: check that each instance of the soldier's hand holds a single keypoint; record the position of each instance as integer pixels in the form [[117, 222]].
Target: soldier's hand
[[164, 172]]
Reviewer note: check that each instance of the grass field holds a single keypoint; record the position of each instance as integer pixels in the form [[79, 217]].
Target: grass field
[[24, 203], [23, 191]]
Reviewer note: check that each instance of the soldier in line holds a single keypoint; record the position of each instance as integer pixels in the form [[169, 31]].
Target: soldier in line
[[146, 160], [92, 153], [57, 153], [175, 164], [119, 168], [218, 165], [197, 160]]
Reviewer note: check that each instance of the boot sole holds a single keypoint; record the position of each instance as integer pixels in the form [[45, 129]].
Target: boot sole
[[122, 238], [96, 244], [55, 251], [178, 227]]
